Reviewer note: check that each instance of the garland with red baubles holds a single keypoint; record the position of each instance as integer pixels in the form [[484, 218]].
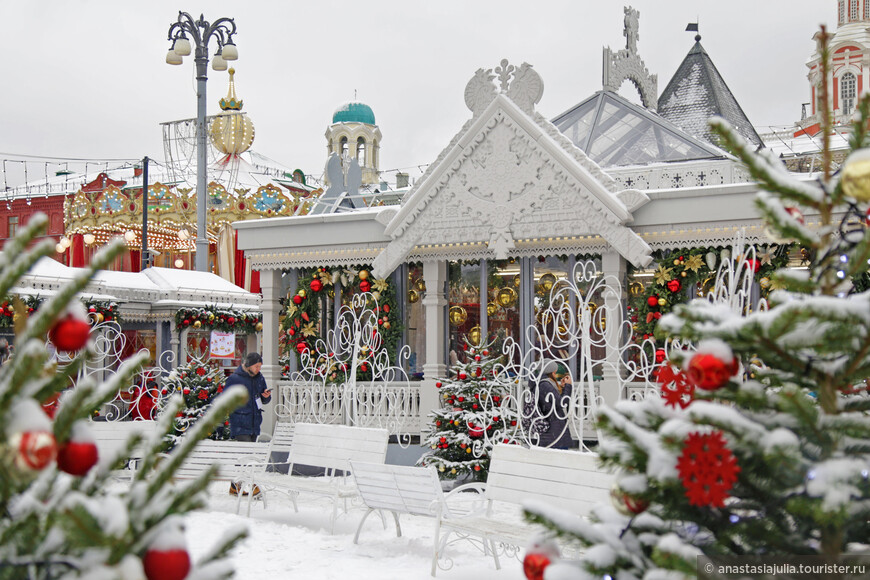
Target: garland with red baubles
[[216, 318]]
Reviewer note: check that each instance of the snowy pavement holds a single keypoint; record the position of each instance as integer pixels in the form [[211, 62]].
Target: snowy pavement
[[284, 544]]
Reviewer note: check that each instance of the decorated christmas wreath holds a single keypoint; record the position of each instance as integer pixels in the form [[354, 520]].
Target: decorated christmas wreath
[[215, 318], [678, 269], [302, 314]]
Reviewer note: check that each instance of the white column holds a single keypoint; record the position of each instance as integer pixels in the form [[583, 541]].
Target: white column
[[270, 283], [434, 303], [613, 268]]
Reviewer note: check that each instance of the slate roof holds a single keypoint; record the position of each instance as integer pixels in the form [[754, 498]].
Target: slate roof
[[697, 92]]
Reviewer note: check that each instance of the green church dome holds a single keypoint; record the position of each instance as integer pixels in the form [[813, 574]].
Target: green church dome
[[354, 113]]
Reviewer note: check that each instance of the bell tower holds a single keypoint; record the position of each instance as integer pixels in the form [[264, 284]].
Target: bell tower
[[354, 134], [848, 76]]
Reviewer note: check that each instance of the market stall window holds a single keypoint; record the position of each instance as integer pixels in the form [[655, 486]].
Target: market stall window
[[416, 320]]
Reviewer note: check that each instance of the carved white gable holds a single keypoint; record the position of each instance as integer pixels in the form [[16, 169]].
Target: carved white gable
[[509, 176]]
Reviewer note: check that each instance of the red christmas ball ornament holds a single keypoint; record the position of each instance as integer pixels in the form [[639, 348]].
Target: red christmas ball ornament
[[186, 391], [652, 301], [70, 333], [77, 457], [462, 376], [476, 468], [34, 450], [796, 214], [231, 320], [363, 367], [660, 355], [438, 384], [316, 285], [709, 372], [301, 347], [387, 308], [297, 299], [625, 503], [755, 265], [657, 315], [485, 352], [92, 309], [534, 565], [173, 564], [474, 431], [674, 286], [365, 286]]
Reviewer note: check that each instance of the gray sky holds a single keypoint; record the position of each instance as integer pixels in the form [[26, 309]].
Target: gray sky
[[87, 78]]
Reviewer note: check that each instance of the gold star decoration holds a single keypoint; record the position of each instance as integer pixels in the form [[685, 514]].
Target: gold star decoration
[[766, 256], [326, 278], [694, 263], [291, 310], [308, 330], [663, 275], [380, 285]]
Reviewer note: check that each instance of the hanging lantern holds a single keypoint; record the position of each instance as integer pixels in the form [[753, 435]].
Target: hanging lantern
[[506, 297], [457, 315]]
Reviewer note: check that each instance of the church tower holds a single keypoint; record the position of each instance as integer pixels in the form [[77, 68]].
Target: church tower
[[354, 135], [850, 64]]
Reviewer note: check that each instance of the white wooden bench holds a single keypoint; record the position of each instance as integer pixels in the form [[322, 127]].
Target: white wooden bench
[[330, 448], [112, 440], [571, 481]]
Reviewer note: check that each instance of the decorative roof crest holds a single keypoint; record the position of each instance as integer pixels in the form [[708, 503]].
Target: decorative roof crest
[[520, 84], [627, 64], [231, 102]]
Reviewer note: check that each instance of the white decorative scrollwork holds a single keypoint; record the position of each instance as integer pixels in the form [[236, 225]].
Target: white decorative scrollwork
[[326, 388], [521, 84]]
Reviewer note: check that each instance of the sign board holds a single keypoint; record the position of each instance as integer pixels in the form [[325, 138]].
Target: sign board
[[223, 344]]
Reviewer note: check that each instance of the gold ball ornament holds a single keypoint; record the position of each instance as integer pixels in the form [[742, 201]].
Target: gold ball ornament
[[506, 297], [453, 471], [364, 274], [516, 281], [548, 281], [855, 175], [376, 295], [662, 302], [386, 324], [99, 317], [440, 468], [197, 324], [491, 309], [301, 292], [211, 317], [258, 326], [764, 282], [420, 285], [457, 315], [474, 336], [468, 449], [413, 296]]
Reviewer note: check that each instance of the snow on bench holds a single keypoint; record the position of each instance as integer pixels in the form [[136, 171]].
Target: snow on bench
[[327, 447], [570, 481], [112, 440]]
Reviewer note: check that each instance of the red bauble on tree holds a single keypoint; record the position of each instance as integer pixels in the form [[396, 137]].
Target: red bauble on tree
[[34, 450], [712, 365], [754, 265], [538, 557], [166, 564], [365, 286], [316, 285], [297, 299], [652, 301], [79, 454], [301, 347], [626, 504], [707, 468], [71, 332], [674, 286]]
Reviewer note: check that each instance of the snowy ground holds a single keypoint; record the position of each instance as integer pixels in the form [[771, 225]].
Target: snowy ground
[[284, 544]]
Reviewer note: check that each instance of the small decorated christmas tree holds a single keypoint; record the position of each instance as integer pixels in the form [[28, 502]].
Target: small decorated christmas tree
[[61, 515], [198, 384], [760, 444], [471, 420]]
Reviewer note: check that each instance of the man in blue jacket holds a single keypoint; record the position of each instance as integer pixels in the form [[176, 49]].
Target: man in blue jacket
[[246, 420]]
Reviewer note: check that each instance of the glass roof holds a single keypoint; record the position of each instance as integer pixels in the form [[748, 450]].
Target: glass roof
[[615, 132]]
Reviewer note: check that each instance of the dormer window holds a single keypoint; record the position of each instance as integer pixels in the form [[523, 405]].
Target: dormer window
[[847, 93]]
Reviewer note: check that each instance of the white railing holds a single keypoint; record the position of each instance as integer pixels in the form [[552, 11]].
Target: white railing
[[394, 406]]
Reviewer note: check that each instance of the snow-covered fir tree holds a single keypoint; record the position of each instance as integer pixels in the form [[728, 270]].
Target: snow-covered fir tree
[[61, 514], [761, 444], [472, 417], [198, 384]]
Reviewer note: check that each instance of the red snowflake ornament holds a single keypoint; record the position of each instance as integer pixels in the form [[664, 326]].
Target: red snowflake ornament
[[675, 386], [707, 469]]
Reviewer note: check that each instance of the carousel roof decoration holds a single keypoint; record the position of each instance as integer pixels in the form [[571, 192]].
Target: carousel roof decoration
[[697, 92], [240, 188]]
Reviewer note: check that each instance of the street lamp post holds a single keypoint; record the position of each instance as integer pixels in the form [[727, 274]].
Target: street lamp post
[[201, 31]]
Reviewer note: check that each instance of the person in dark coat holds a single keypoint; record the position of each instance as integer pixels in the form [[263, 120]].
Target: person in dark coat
[[246, 420], [553, 401]]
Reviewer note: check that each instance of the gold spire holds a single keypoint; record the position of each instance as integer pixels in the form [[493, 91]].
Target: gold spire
[[231, 102]]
